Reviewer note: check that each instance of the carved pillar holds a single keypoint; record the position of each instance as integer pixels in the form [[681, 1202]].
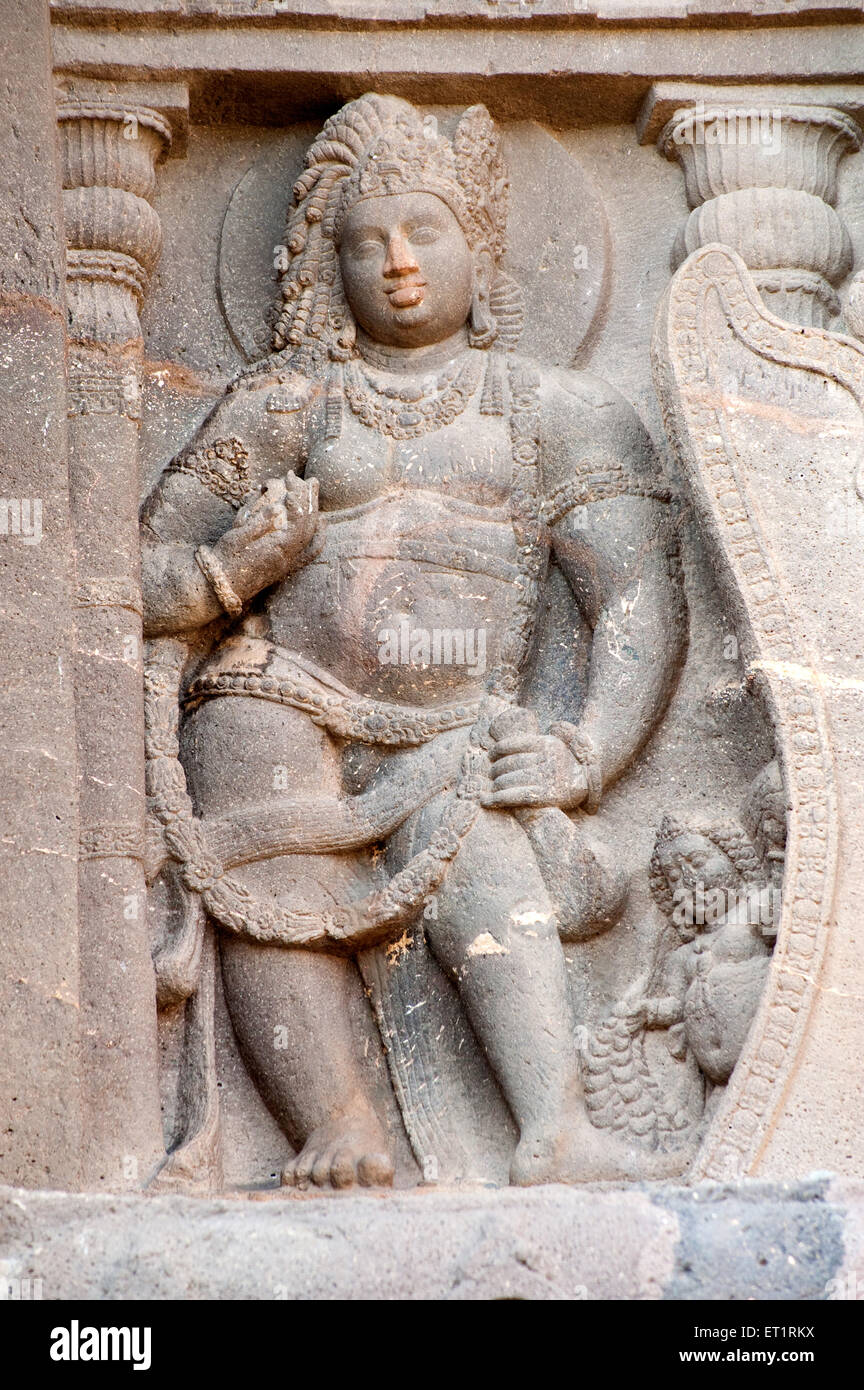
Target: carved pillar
[[763, 180], [109, 153]]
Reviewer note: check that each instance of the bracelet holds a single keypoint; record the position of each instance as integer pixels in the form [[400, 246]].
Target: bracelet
[[582, 748], [218, 581]]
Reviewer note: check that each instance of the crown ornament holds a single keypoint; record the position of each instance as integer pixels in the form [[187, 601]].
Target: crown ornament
[[379, 145]]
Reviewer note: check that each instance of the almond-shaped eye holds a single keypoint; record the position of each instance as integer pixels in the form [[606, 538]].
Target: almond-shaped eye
[[365, 250], [424, 236]]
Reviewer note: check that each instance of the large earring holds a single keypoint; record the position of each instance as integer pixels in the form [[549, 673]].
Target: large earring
[[343, 326], [482, 326]]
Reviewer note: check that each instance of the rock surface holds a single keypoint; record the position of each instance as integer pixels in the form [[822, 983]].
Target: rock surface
[[752, 1241]]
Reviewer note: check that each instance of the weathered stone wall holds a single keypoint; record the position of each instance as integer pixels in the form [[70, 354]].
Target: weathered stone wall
[[40, 1102], [599, 220]]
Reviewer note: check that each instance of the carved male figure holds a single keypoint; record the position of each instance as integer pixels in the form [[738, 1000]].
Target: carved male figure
[[395, 462]]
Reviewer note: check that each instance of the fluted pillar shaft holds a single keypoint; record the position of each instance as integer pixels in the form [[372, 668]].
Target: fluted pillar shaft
[[110, 151]]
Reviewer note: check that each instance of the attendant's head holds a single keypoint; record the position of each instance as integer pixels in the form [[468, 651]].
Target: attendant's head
[[695, 870]]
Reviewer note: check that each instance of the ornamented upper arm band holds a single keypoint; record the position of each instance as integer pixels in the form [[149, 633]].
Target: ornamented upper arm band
[[596, 482], [222, 467]]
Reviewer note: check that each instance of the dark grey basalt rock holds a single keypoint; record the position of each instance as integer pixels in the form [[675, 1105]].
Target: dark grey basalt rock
[[431, 640]]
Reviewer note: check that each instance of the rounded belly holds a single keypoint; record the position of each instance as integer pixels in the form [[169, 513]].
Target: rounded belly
[[401, 609]]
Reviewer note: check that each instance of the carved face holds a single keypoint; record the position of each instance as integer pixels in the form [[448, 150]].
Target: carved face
[[695, 867], [407, 269]]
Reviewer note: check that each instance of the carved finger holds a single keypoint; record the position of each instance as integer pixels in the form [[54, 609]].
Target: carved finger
[[304, 491], [517, 796], [515, 762], [519, 743], [271, 491], [246, 512], [263, 519], [522, 777]]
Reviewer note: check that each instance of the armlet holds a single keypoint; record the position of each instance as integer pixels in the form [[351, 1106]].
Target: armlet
[[596, 482], [222, 467]]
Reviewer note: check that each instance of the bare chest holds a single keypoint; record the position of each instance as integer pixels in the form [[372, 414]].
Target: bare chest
[[469, 459]]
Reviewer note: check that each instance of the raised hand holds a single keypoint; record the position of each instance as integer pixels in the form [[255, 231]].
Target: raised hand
[[270, 532]]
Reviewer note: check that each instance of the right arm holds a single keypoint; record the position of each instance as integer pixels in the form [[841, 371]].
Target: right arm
[[241, 448]]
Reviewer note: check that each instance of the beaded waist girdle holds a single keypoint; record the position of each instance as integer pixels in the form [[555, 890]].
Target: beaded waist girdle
[[256, 667], [186, 839]]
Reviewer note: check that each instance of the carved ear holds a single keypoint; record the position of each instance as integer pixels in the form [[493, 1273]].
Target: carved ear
[[483, 328]]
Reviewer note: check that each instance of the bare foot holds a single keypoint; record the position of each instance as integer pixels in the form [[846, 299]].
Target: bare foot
[[342, 1152], [578, 1152]]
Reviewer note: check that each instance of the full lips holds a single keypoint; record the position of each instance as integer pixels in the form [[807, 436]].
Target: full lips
[[406, 296]]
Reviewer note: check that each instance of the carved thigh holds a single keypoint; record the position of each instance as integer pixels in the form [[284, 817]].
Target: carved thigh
[[238, 751], [299, 1016]]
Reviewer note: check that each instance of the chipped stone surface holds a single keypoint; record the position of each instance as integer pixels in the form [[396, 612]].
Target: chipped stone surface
[[582, 901], [848, 1196], [757, 1241], [550, 1244]]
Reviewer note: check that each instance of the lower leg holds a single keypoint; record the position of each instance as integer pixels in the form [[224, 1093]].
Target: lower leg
[[296, 1015], [496, 935]]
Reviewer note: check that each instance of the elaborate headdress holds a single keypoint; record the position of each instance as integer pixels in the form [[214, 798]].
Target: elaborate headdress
[[378, 145], [765, 802], [726, 835]]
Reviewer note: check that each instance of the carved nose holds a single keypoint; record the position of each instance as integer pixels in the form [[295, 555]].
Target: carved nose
[[399, 260]]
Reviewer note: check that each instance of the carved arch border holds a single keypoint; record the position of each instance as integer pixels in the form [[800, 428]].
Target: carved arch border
[[697, 431]]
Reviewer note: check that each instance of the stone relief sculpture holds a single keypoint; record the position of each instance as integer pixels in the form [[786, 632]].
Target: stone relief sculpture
[[349, 777], [501, 734], [718, 885]]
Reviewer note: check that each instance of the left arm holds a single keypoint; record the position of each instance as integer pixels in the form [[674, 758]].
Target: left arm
[[612, 537], [615, 556]]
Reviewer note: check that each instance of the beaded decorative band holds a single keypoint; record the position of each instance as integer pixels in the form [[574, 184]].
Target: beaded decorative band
[[218, 581], [357, 719], [222, 467], [584, 752], [596, 482]]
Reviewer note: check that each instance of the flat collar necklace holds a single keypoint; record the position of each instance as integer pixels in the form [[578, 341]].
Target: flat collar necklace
[[419, 361]]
